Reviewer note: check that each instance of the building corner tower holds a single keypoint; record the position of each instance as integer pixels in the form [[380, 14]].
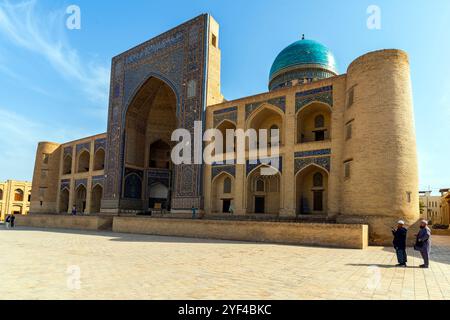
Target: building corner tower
[[380, 176]]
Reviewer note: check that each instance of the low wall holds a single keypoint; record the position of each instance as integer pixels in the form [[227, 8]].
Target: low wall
[[440, 232], [327, 235], [65, 222]]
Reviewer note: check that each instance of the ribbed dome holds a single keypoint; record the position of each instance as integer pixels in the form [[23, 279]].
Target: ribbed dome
[[311, 58]]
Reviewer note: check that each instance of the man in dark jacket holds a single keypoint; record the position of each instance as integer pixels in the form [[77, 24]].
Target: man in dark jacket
[[400, 234], [423, 243]]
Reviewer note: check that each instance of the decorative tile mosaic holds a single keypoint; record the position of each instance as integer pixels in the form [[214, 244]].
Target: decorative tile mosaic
[[65, 184], [303, 154], [251, 166], [81, 182], [225, 114], [100, 143], [68, 151], [323, 162], [176, 57], [84, 146], [216, 170], [279, 102], [98, 180], [129, 171], [158, 175], [324, 94]]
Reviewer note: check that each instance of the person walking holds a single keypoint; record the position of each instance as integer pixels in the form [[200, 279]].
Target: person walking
[[400, 234], [423, 243]]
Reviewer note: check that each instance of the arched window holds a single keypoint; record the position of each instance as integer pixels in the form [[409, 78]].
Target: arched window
[[83, 161], [260, 185], [319, 121], [318, 180], [227, 185], [67, 164], [99, 160], [133, 187], [18, 195], [1, 194]]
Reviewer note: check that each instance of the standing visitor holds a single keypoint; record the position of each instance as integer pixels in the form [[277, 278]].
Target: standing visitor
[[400, 235], [13, 221], [74, 210], [423, 243], [7, 221]]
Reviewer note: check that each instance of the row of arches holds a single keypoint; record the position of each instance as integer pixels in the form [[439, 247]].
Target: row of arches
[[83, 161], [80, 199], [263, 194], [313, 123], [19, 195]]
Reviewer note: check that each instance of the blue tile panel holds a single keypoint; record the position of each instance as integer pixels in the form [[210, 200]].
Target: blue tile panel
[[323, 162], [225, 114], [218, 169], [68, 151], [279, 102], [303, 154], [251, 165], [84, 146], [100, 143], [159, 176], [98, 180], [324, 94], [81, 182], [65, 184]]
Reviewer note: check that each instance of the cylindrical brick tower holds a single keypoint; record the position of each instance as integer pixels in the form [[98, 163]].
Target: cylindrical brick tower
[[380, 178], [45, 178]]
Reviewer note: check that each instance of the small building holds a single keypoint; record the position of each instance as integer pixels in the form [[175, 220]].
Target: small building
[[445, 206], [14, 198], [430, 207]]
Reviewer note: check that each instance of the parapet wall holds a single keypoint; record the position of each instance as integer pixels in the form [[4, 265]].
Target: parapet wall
[[65, 222], [327, 235]]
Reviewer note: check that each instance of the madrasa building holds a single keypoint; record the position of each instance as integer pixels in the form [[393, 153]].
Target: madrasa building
[[347, 141]]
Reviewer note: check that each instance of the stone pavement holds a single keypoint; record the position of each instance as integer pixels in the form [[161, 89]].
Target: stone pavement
[[47, 264]]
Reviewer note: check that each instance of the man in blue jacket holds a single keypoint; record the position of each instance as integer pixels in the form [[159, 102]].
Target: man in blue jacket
[[400, 234]]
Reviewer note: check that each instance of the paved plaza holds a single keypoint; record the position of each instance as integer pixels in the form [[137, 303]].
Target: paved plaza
[[57, 264]]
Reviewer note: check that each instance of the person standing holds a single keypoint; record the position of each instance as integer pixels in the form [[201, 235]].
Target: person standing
[[400, 234], [13, 221], [74, 210], [423, 243], [7, 221]]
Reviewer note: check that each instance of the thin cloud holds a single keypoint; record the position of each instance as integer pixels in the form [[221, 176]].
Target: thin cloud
[[43, 34], [19, 140]]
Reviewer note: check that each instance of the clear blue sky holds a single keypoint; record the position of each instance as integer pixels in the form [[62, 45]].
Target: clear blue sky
[[54, 81]]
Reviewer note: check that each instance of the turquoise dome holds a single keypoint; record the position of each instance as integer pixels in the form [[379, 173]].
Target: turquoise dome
[[313, 58]]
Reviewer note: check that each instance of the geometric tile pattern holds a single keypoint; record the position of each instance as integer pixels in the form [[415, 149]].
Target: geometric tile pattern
[[217, 170], [324, 94], [279, 102]]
